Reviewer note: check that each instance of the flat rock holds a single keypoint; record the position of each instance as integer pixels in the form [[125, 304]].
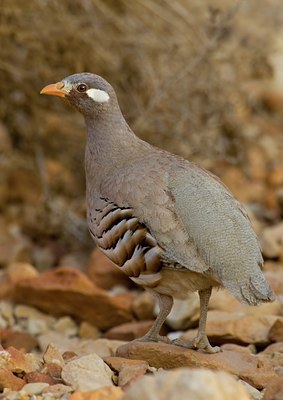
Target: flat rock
[[225, 327], [183, 384], [87, 373], [107, 393], [75, 295], [161, 355]]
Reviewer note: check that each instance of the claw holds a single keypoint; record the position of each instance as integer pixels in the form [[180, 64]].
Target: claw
[[201, 342], [198, 343], [153, 338]]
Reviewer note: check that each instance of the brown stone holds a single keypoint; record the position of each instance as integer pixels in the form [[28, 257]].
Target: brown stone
[[275, 177], [161, 355], [129, 370], [222, 300], [17, 361], [9, 380], [35, 376], [54, 370], [273, 354], [12, 275], [276, 331], [107, 393], [272, 241], [88, 331], [19, 340], [129, 331], [104, 273], [52, 356], [274, 390], [225, 327], [143, 306], [75, 295], [275, 278]]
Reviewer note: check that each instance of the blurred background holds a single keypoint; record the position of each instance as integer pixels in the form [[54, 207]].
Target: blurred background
[[203, 79]]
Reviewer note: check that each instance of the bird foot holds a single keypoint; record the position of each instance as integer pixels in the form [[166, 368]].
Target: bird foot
[[153, 338], [200, 342]]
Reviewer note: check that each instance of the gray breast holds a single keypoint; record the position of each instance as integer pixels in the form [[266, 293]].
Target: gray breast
[[125, 240]]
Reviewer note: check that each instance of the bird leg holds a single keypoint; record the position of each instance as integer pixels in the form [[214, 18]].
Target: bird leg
[[165, 305], [201, 340]]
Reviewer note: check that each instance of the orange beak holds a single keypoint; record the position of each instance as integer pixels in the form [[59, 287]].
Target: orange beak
[[55, 89]]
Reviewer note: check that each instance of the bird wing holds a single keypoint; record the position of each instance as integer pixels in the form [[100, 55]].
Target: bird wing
[[216, 222], [190, 213]]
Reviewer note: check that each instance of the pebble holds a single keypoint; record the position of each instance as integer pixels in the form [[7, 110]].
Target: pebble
[[87, 373], [184, 384], [88, 331], [34, 388], [66, 325]]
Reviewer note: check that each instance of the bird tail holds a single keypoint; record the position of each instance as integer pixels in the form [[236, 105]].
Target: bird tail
[[254, 291]]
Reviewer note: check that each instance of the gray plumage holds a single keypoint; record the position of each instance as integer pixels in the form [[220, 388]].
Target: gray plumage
[[170, 225]]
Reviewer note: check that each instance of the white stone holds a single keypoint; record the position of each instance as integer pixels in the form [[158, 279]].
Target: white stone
[[37, 326], [58, 340], [66, 325], [3, 322], [184, 312], [87, 373], [102, 347], [184, 384], [6, 310], [34, 388]]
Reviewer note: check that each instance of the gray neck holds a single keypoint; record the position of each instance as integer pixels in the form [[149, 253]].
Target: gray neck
[[110, 143]]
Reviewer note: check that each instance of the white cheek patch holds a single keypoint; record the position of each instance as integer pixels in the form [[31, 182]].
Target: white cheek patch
[[98, 95]]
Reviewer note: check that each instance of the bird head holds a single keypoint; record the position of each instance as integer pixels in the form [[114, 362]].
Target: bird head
[[88, 93]]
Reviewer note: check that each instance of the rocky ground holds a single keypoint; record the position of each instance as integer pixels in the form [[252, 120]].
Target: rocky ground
[[195, 78], [66, 334]]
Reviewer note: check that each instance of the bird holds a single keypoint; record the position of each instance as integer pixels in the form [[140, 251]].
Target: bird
[[171, 226]]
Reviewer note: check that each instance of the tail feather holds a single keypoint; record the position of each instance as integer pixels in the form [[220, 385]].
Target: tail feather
[[254, 291]]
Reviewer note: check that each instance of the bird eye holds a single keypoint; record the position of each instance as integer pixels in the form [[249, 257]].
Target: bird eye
[[82, 87]]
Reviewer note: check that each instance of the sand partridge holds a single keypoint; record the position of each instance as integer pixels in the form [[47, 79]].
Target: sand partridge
[[168, 224]]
